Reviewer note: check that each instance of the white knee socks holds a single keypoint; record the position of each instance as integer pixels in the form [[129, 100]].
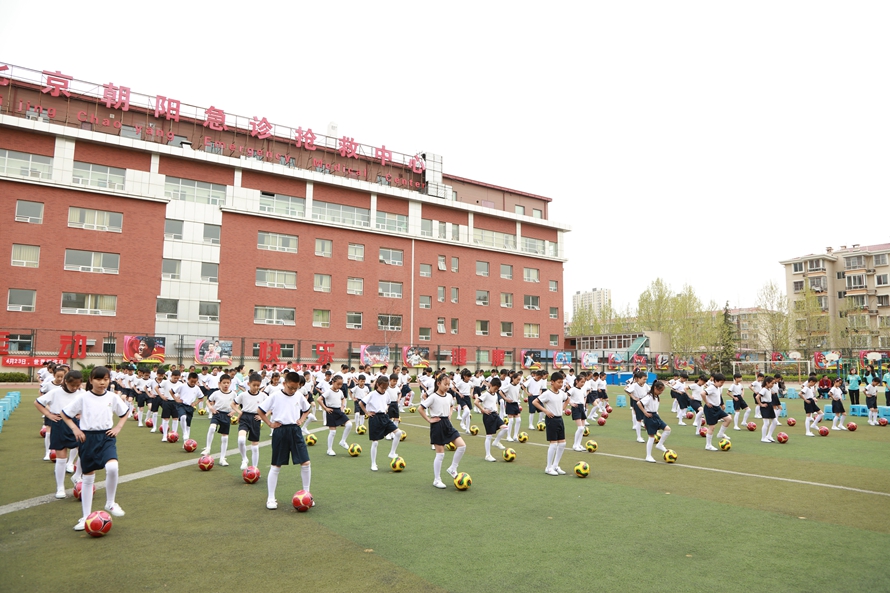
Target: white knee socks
[[457, 456], [272, 481], [46, 443], [499, 436], [560, 447], [488, 438], [185, 428], [735, 419], [331, 435], [60, 473], [747, 413], [722, 432], [210, 432], [242, 446], [255, 454], [437, 465], [649, 444], [224, 445], [306, 476], [579, 434], [551, 455], [86, 495], [175, 423], [112, 473], [346, 431], [374, 453], [396, 439]]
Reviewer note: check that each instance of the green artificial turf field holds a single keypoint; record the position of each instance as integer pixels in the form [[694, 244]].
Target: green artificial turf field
[[630, 526]]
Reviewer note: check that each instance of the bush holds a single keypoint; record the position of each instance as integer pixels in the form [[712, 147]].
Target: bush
[[14, 378]]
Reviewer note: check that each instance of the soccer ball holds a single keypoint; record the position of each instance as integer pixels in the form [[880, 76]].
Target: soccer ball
[[474, 430], [251, 475], [604, 415], [172, 437], [791, 422], [509, 455], [881, 421], [412, 409], [355, 450], [608, 409], [601, 421], [361, 429], [463, 481], [523, 437], [202, 412], [591, 446], [190, 445], [690, 415], [397, 464], [98, 523], [302, 501], [541, 426], [582, 469], [78, 489], [587, 431], [347, 411], [451, 447], [149, 423], [42, 431], [782, 437], [752, 426], [823, 431], [568, 412], [703, 432], [311, 439], [520, 408], [52, 454], [670, 456], [657, 437], [403, 436], [205, 462], [725, 444], [233, 420], [851, 426]]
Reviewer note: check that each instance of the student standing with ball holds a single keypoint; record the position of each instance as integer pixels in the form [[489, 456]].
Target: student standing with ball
[[808, 394], [714, 412], [220, 405], [649, 406], [837, 405], [375, 405], [246, 405], [97, 434], [436, 409], [553, 403], [62, 439], [738, 400], [578, 401], [332, 403], [487, 402], [764, 401]]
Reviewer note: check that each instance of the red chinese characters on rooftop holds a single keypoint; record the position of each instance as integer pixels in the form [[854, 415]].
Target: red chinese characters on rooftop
[[116, 97], [169, 108]]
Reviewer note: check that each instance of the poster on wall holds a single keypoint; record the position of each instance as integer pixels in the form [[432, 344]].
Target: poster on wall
[[826, 359], [531, 359], [589, 360], [212, 352], [416, 356], [684, 363], [640, 360], [376, 356], [615, 360], [662, 362], [145, 349], [562, 359], [871, 357]]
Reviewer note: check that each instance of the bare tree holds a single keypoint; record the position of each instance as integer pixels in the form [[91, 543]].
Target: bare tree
[[773, 320]]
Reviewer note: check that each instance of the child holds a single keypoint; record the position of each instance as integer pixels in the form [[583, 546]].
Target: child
[[578, 400], [673, 381], [777, 391], [220, 405], [394, 395], [359, 393], [680, 390], [649, 406], [487, 402], [695, 400], [464, 387], [510, 393], [837, 405], [714, 411], [553, 403], [871, 401], [185, 399], [534, 386], [290, 410], [764, 401], [405, 389], [738, 401], [601, 394], [808, 394], [756, 386], [246, 405], [97, 434], [51, 405], [332, 402], [54, 380], [167, 390], [436, 409], [636, 391], [375, 405]]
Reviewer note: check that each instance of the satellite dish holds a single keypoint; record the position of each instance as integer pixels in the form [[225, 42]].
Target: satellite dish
[[833, 356], [794, 355], [873, 356]]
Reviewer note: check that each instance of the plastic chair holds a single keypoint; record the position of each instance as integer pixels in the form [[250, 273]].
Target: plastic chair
[[5, 408], [784, 412], [730, 407], [827, 414], [791, 393], [858, 410], [621, 401], [884, 412]]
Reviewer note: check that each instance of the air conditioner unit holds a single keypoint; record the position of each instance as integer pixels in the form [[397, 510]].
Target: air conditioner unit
[[353, 326]]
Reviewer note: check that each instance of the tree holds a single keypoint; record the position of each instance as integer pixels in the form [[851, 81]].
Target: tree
[[726, 353], [654, 307], [686, 313], [584, 322], [773, 320]]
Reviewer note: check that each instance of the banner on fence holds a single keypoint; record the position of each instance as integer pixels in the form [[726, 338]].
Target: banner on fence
[[30, 361], [145, 349], [376, 356], [212, 352], [531, 359], [826, 359], [589, 360], [562, 359], [416, 356]]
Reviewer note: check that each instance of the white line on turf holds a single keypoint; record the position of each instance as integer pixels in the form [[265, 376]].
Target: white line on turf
[[721, 471]]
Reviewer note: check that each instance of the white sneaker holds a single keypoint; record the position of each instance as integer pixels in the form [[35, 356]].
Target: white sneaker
[[76, 481], [736, 428], [452, 472], [501, 446], [650, 460], [244, 465], [46, 457], [778, 423], [69, 469], [661, 447], [681, 423], [153, 430], [586, 423], [60, 493], [205, 451], [809, 434], [835, 428], [271, 504], [559, 471], [223, 462], [490, 458], [842, 428], [388, 437], [765, 441], [140, 424], [510, 440], [551, 472], [373, 468], [579, 448], [81, 524], [641, 440], [344, 444], [439, 484], [726, 436], [331, 452], [311, 418], [393, 455], [164, 439], [711, 448], [115, 509]]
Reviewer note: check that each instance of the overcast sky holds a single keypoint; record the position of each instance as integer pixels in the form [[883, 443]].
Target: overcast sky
[[700, 142]]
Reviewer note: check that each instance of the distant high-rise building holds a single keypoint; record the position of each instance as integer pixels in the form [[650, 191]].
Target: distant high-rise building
[[595, 299]]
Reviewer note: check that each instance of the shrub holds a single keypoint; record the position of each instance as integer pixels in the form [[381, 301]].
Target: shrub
[[14, 378]]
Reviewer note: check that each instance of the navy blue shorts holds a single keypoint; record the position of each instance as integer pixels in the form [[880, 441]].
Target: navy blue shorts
[[768, 412], [682, 400], [739, 403], [810, 406], [695, 405], [556, 428], [168, 409], [531, 404], [714, 414], [47, 422], [222, 420], [442, 432], [512, 408], [602, 394], [61, 437], [380, 425], [871, 402], [392, 410], [97, 450], [288, 445], [578, 412], [492, 423], [653, 424], [638, 413], [185, 410], [335, 418], [155, 403], [837, 407], [250, 423]]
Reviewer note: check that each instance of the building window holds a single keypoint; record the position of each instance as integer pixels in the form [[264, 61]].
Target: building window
[[440, 325], [854, 281], [797, 267], [520, 210], [76, 303], [20, 299], [455, 232], [881, 279], [535, 246], [482, 268], [455, 293], [22, 164], [857, 301], [554, 286], [537, 213], [506, 329], [277, 242], [531, 303], [481, 328], [20, 342], [274, 315], [883, 300], [31, 212], [355, 286], [815, 265], [321, 318], [483, 356], [506, 272], [482, 297], [96, 220], [396, 223], [822, 302], [173, 229], [353, 320], [426, 271], [881, 259], [26, 256], [92, 261], [189, 190], [282, 205], [322, 283], [356, 252], [507, 300], [390, 290], [391, 323], [554, 312], [276, 278], [798, 286], [426, 334], [393, 257], [130, 132], [857, 262], [531, 274], [554, 339], [455, 322], [426, 302], [426, 227], [98, 176], [324, 247], [166, 309], [441, 294], [442, 263], [442, 230], [209, 272], [532, 330], [211, 233], [208, 311], [170, 269], [818, 284], [494, 239], [340, 214], [455, 264]]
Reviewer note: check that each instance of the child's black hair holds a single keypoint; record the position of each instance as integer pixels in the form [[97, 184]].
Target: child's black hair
[[255, 377], [97, 373], [192, 375]]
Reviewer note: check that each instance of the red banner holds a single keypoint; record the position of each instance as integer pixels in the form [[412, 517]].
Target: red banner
[[29, 361]]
